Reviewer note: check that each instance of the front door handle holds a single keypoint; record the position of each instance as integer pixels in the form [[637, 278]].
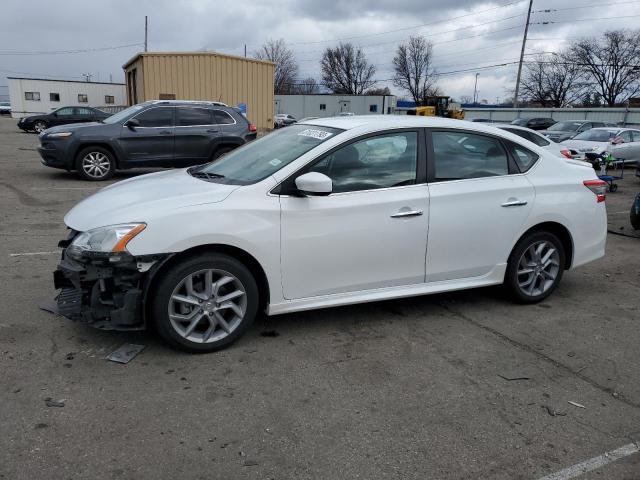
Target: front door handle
[[213, 130], [407, 213], [165, 132], [514, 203]]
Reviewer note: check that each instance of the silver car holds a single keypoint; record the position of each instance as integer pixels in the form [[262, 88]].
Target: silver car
[[621, 143]]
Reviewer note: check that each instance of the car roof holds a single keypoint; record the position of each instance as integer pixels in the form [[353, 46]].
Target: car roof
[[186, 102], [514, 127], [381, 122]]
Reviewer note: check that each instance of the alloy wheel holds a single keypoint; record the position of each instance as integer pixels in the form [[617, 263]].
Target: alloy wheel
[[207, 306], [40, 127], [538, 268], [96, 164]]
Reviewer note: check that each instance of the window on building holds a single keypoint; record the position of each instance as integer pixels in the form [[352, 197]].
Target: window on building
[[323, 106], [54, 97], [33, 96], [373, 108], [83, 98], [109, 99]]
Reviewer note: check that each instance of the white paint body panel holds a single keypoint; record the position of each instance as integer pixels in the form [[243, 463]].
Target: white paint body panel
[[345, 248]]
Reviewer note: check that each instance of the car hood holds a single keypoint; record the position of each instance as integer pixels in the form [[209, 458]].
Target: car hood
[[70, 127], [585, 145], [141, 199]]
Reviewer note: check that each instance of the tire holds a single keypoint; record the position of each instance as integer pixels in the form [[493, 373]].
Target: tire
[[200, 322], [40, 126], [220, 152], [634, 214], [95, 164], [527, 279], [613, 188]]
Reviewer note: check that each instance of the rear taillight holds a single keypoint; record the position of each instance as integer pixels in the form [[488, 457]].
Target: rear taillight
[[252, 127], [566, 153], [598, 187]]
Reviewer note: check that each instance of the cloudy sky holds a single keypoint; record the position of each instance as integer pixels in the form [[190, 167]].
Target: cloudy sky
[[469, 36]]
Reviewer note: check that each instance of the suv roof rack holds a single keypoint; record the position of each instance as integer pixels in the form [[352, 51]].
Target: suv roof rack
[[200, 102]]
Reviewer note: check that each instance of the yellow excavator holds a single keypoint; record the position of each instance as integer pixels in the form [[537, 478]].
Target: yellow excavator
[[439, 106]]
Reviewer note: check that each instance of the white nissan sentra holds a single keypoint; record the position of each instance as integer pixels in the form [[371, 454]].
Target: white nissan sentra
[[323, 213]]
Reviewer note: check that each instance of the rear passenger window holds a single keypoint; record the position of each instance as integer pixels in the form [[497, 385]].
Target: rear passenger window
[[460, 155], [223, 118], [525, 158], [156, 117], [193, 116]]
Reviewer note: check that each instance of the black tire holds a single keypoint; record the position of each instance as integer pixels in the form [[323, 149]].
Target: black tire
[[160, 301], [103, 156], [513, 281], [39, 126], [220, 152], [613, 188], [634, 214]]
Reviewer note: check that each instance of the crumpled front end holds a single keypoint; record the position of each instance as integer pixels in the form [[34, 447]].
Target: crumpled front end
[[104, 290]]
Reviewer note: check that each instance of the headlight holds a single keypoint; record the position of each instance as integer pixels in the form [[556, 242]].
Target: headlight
[[113, 238], [59, 135]]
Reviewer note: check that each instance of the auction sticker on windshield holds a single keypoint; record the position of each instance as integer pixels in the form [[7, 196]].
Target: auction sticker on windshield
[[319, 134]]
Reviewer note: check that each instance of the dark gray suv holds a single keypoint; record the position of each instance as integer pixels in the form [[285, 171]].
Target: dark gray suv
[[159, 133]]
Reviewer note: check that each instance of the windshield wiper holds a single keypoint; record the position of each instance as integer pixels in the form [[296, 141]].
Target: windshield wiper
[[207, 175]]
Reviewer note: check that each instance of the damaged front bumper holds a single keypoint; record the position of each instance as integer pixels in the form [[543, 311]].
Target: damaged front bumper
[[105, 290]]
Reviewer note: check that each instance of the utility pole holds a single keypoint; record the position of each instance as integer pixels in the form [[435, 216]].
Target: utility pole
[[524, 43], [245, 50], [146, 23], [475, 90]]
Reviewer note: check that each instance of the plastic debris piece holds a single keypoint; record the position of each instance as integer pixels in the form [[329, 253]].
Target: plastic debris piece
[[125, 353], [575, 404]]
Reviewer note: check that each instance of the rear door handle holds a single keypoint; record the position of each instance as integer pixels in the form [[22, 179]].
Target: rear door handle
[[514, 203], [165, 132], [213, 130], [407, 213]]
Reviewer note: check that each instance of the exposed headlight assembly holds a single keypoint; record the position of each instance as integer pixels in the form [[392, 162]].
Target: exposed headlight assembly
[[59, 135], [110, 239]]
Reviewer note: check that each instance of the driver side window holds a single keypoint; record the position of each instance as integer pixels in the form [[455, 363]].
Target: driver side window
[[377, 162]]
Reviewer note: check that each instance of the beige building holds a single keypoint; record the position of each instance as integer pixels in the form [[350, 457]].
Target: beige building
[[203, 76]]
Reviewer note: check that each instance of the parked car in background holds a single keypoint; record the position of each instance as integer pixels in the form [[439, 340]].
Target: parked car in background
[[159, 133], [621, 143], [283, 120], [557, 149], [565, 130], [5, 108], [307, 118], [61, 116], [306, 218], [534, 123], [481, 120], [345, 114]]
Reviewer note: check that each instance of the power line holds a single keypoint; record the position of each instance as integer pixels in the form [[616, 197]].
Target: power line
[[550, 10], [62, 52], [549, 22]]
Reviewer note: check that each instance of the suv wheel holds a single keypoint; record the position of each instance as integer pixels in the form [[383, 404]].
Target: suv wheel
[[535, 267], [95, 164], [40, 126], [204, 303]]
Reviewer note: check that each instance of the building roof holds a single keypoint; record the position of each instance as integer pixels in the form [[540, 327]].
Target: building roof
[[391, 121], [188, 54], [65, 81]]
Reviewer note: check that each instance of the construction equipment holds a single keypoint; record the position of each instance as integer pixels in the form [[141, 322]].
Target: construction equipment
[[438, 106]]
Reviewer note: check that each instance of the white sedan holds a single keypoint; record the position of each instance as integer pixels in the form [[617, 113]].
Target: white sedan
[[330, 212], [621, 143]]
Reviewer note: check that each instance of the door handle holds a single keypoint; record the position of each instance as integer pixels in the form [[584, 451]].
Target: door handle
[[407, 213], [165, 132], [213, 130], [514, 203]]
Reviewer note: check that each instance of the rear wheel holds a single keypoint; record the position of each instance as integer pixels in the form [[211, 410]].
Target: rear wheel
[[221, 152], [95, 164], [204, 303], [40, 126], [535, 267]]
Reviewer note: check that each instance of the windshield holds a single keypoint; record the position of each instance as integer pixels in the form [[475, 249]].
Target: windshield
[[520, 121], [120, 116], [257, 160], [596, 135], [566, 126], [4, 104]]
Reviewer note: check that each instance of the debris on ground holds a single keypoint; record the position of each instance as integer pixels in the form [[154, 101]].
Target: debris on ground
[[269, 333], [511, 379], [571, 354], [575, 404], [125, 353], [50, 402], [250, 463], [70, 356], [553, 412], [49, 304]]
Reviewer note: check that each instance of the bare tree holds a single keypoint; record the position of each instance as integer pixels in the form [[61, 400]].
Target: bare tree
[[345, 69], [378, 91], [553, 80], [307, 86], [413, 65], [466, 99], [612, 62], [286, 66]]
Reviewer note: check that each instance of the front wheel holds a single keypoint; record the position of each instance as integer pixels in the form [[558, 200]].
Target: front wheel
[[535, 267], [95, 164], [204, 303], [40, 126]]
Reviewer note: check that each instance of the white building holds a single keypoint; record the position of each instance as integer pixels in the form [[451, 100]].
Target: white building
[[29, 96], [329, 105]]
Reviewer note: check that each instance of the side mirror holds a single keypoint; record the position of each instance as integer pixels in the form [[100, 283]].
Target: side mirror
[[314, 183], [132, 124]]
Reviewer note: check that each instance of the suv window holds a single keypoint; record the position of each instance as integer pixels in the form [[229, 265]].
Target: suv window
[[193, 116], [525, 158], [459, 155], [156, 117], [377, 162], [222, 118]]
